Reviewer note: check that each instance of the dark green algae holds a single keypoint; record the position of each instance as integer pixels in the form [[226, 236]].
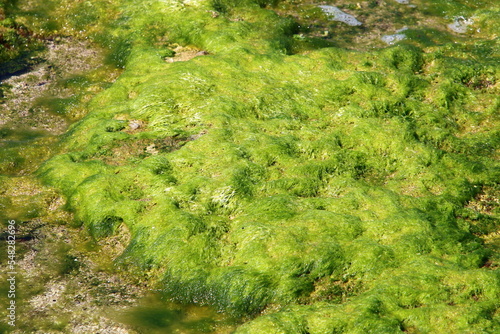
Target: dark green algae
[[311, 189], [16, 43]]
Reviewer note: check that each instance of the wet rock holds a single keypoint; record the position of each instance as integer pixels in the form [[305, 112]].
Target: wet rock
[[394, 38], [338, 15], [134, 125], [460, 24]]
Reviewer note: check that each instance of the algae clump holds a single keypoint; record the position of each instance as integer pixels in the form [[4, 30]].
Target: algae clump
[[313, 189]]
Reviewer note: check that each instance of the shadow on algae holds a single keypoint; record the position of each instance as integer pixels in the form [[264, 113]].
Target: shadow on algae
[[280, 173]]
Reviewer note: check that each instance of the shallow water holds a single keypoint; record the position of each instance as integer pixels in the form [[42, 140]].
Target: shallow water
[[154, 314]]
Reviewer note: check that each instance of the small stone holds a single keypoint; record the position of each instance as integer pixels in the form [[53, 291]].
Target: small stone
[[392, 39], [460, 24], [151, 149], [338, 15], [134, 125]]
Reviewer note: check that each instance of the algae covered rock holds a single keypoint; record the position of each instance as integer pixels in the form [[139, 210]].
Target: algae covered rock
[[312, 189]]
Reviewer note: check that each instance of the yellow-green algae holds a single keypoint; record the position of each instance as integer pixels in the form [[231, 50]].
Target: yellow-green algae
[[317, 189]]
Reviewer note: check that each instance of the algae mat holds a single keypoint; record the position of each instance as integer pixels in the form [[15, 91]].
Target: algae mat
[[293, 171]]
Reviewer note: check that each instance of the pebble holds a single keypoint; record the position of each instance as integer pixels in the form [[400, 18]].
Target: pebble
[[460, 25], [134, 125]]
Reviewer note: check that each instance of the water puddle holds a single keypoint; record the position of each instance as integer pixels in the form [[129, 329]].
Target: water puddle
[[23, 149], [13, 137], [155, 315]]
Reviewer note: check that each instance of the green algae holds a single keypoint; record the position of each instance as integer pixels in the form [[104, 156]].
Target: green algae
[[17, 43], [317, 189]]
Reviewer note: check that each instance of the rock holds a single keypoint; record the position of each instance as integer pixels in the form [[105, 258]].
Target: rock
[[338, 15], [134, 125], [460, 24]]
